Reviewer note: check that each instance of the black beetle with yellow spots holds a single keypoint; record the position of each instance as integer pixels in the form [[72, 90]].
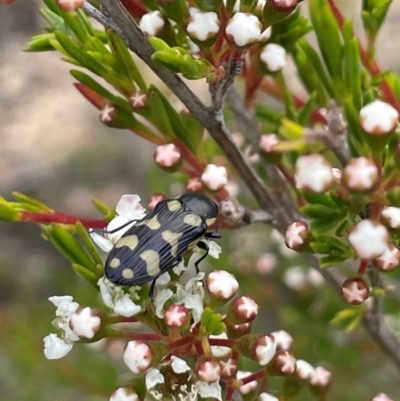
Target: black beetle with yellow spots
[[156, 243]]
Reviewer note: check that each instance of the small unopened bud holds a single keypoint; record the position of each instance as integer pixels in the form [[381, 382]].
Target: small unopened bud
[[267, 142], [203, 26], [228, 367], [167, 156], [267, 397], [243, 29], [208, 370], [360, 174], [152, 23], [138, 356], [313, 173], [381, 397], [283, 364], [391, 217], [283, 340], [321, 377], [355, 290], [232, 211], [369, 239], [242, 310], [107, 114], [378, 118], [248, 387], [124, 393], [274, 57], [304, 370], [194, 184], [85, 322], [337, 175], [222, 285], [176, 316], [139, 99], [154, 200], [70, 5], [214, 177], [264, 349], [266, 263], [297, 236], [389, 260]]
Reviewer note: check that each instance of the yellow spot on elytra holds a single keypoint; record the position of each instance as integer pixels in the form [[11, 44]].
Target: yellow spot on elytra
[[211, 221], [127, 273], [152, 223], [130, 241], [152, 259], [115, 262], [174, 205], [192, 220], [172, 239]]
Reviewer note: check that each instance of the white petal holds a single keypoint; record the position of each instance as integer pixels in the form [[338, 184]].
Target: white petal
[[162, 297], [129, 207], [153, 377], [55, 347], [179, 365], [126, 307], [163, 279], [213, 248], [103, 243], [207, 390], [106, 291]]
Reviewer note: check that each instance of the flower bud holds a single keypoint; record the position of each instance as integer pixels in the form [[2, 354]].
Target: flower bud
[[369, 239], [154, 200], [70, 5], [389, 260], [242, 310], [214, 177], [283, 340], [381, 397], [378, 118], [168, 157], [194, 184], [267, 144], [152, 23], [283, 364], [85, 322], [176, 316], [138, 356], [273, 57], [231, 211], [320, 381], [238, 330], [391, 217], [360, 174], [124, 393], [304, 371], [208, 369], [355, 291], [264, 349], [139, 99], [228, 368], [277, 10], [249, 386], [222, 285], [243, 29], [298, 236], [203, 27], [313, 173]]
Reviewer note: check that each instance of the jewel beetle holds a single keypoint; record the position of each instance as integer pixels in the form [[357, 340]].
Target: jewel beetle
[[157, 242]]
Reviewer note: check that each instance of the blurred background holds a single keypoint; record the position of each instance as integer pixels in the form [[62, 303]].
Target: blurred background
[[53, 148]]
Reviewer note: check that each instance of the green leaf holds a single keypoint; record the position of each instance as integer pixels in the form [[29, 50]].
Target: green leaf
[[160, 117], [8, 213], [322, 199], [77, 53], [330, 261], [173, 9], [322, 225], [55, 20], [88, 242], [74, 22], [373, 15], [52, 5], [89, 276], [320, 211], [40, 43], [306, 111], [214, 5], [109, 213], [28, 201], [349, 318], [327, 31]]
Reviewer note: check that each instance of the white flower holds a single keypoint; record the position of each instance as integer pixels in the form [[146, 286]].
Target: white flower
[[265, 35], [55, 347], [304, 370], [222, 284], [153, 377], [179, 365], [378, 118], [124, 394], [392, 216], [116, 299], [220, 351], [161, 298], [369, 239], [152, 23], [213, 248], [138, 356], [203, 25], [209, 390], [243, 29], [274, 57], [65, 308], [314, 173], [85, 322], [128, 209]]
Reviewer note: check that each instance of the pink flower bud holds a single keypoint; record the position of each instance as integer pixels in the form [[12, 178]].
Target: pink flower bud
[[273, 57], [381, 397], [283, 340], [378, 118], [138, 356], [266, 263], [264, 349], [297, 235], [355, 290], [222, 285], [304, 371], [321, 377], [283, 364], [242, 310], [360, 174], [248, 387], [139, 99], [176, 316], [194, 184], [85, 322], [167, 156], [154, 199], [391, 217], [124, 393], [152, 23], [70, 5], [208, 370], [107, 114], [203, 26], [389, 260], [243, 29], [228, 367]]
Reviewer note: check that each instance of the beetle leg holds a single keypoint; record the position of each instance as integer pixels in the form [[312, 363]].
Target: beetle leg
[[204, 246], [212, 235], [104, 231]]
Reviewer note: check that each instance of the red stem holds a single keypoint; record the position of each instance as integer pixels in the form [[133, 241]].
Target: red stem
[[61, 218], [362, 267]]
